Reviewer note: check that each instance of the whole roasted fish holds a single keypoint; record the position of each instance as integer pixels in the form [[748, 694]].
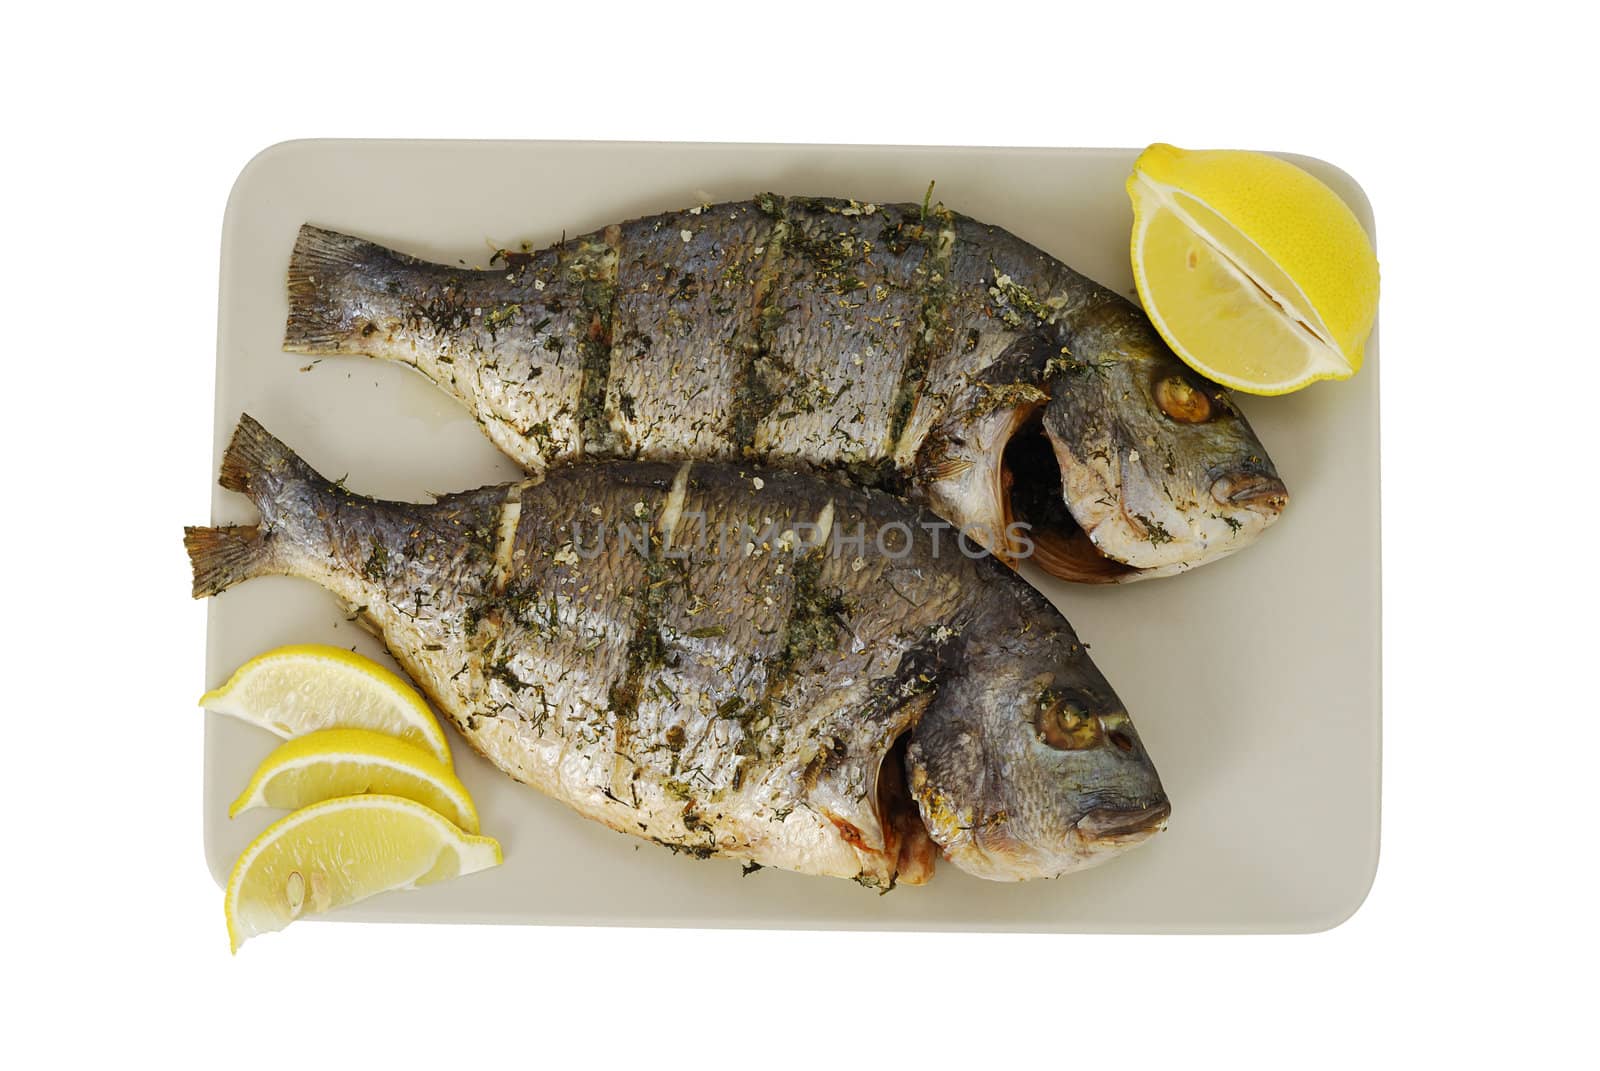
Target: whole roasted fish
[[765, 665], [914, 348]]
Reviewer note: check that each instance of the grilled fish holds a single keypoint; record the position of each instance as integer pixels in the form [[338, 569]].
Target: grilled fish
[[772, 666], [916, 349]]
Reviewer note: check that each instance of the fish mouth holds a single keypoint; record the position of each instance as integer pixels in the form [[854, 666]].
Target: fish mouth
[[1256, 491], [1114, 824], [1098, 836]]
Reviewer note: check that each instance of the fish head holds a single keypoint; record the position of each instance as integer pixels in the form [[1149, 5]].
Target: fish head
[[1028, 766], [1156, 466]]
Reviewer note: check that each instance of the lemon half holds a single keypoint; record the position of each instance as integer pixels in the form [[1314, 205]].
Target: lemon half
[[349, 762], [303, 688], [344, 850], [1256, 273]]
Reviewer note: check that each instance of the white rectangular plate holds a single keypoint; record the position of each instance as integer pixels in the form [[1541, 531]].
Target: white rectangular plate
[[1254, 681]]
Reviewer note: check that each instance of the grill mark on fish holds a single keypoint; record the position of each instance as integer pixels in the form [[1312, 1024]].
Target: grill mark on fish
[[812, 622], [934, 328], [822, 527], [594, 270], [672, 508], [506, 537], [647, 648], [758, 387]]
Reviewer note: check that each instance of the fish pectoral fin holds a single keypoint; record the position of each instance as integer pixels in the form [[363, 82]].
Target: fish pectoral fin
[[860, 837], [949, 468]]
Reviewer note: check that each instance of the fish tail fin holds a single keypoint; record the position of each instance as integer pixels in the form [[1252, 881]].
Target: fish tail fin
[[257, 464], [221, 557], [279, 483], [323, 268]]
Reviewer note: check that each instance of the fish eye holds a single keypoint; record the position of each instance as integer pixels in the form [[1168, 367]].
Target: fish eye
[[1181, 401], [1064, 723]]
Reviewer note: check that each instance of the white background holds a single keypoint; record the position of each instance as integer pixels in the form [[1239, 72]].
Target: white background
[[1469, 133]]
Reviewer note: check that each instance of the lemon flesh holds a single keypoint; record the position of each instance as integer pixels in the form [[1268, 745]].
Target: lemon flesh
[[344, 850], [1256, 274], [349, 762], [304, 688]]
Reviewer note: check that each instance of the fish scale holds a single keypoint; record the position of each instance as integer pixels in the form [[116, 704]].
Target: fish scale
[[679, 325]]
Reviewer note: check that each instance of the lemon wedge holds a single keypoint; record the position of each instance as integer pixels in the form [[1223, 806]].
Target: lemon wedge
[[344, 850], [1256, 273], [348, 762], [300, 689]]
